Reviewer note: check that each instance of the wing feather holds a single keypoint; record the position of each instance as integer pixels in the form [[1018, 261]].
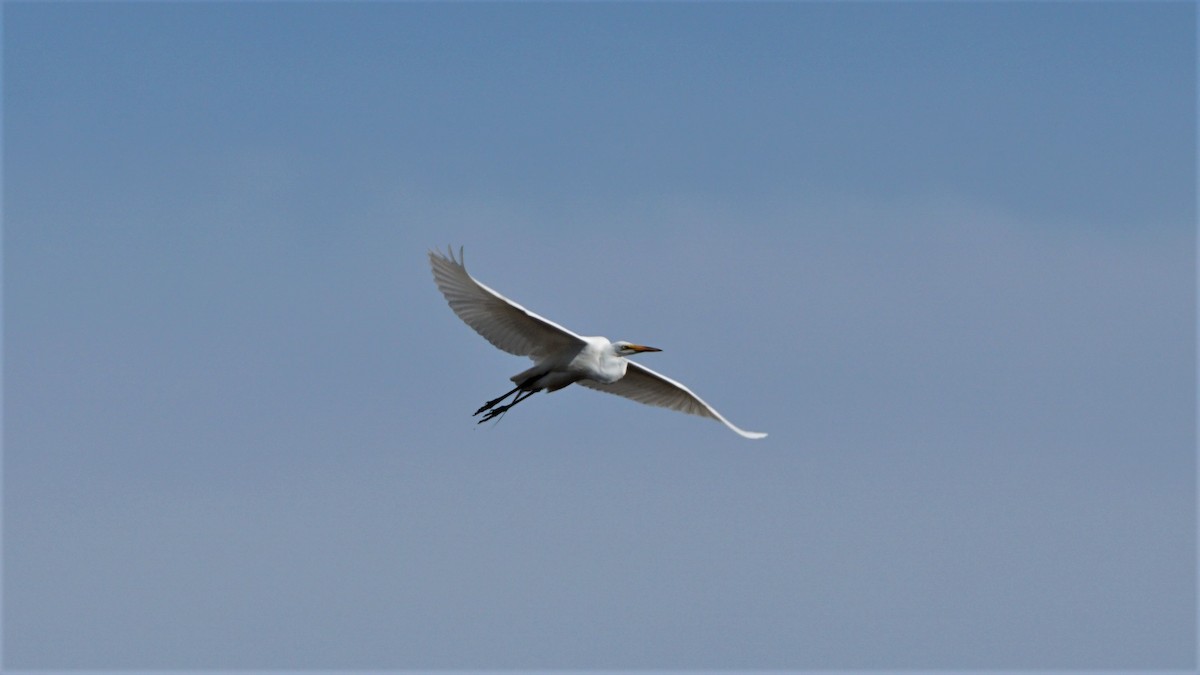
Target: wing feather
[[502, 322], [646, 386]]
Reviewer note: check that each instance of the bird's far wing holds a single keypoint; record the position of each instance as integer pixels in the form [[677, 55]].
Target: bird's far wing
[[646, 386], [499, 320]]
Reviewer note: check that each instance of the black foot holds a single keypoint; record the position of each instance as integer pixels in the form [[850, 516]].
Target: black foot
[[515, 390], [490, 403], [500, 410], [494, 412]]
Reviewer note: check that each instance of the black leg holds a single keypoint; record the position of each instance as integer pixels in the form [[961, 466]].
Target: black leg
[[496, 400], [492, 403], [500, 410]]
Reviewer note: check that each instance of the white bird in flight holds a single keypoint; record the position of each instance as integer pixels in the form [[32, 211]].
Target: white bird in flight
[[560, 356]]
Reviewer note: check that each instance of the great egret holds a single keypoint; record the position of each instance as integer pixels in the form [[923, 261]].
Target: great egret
[[560, 356]]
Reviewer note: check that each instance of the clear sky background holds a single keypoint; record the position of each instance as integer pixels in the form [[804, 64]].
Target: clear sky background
[[944, 253]]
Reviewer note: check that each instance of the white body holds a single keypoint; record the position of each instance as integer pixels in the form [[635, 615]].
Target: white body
[[560, 356], [595, 360]]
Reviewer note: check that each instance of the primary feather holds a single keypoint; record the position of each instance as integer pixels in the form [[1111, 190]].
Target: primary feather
[[646, 386], [502, 322]]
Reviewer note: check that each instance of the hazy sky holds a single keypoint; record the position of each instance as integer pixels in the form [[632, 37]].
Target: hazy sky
[[944, 253]]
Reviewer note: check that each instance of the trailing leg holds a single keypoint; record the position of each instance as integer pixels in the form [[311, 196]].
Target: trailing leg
[[500, 410], [524, 385], [493, 402]]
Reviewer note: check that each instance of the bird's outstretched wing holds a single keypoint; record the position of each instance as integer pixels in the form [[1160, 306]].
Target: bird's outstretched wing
[[646, 386], [499, 320]]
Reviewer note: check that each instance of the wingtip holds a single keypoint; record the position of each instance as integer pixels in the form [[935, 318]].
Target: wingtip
[[448, 255], [753, 435]]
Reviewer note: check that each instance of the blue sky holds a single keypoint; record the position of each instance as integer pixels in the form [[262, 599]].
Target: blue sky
[[944, 253]]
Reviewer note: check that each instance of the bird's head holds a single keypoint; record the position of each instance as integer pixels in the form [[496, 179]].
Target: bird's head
[[623, 348]]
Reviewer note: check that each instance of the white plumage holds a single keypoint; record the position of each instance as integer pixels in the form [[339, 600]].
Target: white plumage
[[560, 356]]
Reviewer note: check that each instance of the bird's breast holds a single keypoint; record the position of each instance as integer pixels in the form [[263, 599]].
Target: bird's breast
[[610, 370], [595, 365]]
